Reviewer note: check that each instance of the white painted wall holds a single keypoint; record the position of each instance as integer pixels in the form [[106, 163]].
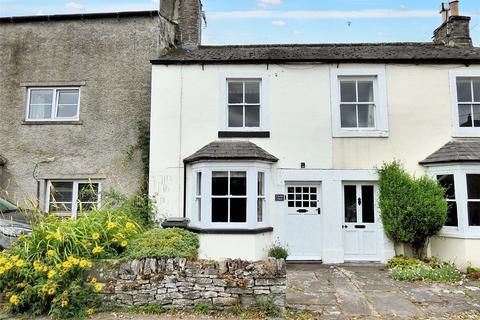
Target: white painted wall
[[185, 117], [251, 247]]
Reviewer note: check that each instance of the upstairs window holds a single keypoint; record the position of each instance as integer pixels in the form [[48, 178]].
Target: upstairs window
[[359, 103], [244, 104], [53, 104], [72, 198], [468, 102]]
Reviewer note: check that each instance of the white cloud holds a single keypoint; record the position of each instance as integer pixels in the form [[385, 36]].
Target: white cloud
[[279, 23], [328, 14], [40, 13], [74, 6], [296, 33], [265, 3]]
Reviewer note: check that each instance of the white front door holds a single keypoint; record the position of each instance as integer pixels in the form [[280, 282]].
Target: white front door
[[360, 222], [303, 221]]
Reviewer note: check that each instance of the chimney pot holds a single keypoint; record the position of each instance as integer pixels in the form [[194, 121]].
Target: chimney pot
[[454, 8], [444, 11]]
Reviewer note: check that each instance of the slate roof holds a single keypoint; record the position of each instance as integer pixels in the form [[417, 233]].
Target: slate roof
[[420, 52], [231, 150], [79, 16], [458, 150]]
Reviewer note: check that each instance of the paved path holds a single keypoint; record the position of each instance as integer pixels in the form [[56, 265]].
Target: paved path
[[366, 291]]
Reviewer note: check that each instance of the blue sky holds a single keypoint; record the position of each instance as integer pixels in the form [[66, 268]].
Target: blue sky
[[286, 21]]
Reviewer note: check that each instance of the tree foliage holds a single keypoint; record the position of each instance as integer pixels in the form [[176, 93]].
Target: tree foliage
[[412, 209]]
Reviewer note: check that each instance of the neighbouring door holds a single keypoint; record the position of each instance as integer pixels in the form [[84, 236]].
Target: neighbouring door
[[360, 227], [303, 221]]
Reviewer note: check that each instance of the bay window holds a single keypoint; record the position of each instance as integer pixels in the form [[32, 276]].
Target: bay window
[[229, 195]]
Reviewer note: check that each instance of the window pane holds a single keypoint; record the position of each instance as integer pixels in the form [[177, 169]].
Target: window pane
[[366, 116], [85, 206], [238, 210], [88, 192], [474, 214], [348, 115], [198, 185], [465, 115], [447, 183], [476, 89], [252, 92], [40, 111], [252, 116], [66, 111], [235, 92], [219, 210], [350, 202], [235, 116], [199, 209], [61, 192], [464, 90], [41, 96], [473, 186], [368, 211], [238, 183], [68, 97], [260, 183], [348, 91], [365, 91], [452, 218], [476, 115], [60, 207], [260, 210], [219, 183]]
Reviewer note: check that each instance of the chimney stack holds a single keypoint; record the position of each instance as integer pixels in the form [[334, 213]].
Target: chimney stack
[[455, 29], [188, 16]]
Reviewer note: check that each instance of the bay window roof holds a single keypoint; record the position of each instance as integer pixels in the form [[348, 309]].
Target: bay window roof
[[457, 150], [231, 150]]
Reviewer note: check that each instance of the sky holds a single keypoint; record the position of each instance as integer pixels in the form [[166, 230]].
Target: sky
[[285, 21]]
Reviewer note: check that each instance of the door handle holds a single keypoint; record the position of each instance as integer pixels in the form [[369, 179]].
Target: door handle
[[318, 211], [302, 210], [359, 226], [359, 200]]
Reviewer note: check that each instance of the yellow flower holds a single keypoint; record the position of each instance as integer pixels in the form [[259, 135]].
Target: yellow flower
[[20, 263], [14, 258], [45, 269], [94, 280], [66, 264], [58, 235], [124, 243], [90, 311], [48, 237], [51, 274], [8, 266], [50, 253], [95, 236], [14, 300], [97, 249], [85, 263], [45, 288], [114, 240], [73, 260], [64, 303], [120, 235], [130, 226], [37, 265], [111, 225], [2, 260], [98, 287], [2, 270], [51, 291]]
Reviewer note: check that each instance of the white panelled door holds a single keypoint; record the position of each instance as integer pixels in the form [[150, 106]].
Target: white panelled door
[[360, 223], [303, 208]]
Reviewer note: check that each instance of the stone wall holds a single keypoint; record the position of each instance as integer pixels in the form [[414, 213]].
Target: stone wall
[[181, 284]]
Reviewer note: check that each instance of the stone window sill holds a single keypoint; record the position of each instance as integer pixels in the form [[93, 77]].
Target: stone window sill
[[65, 123], [244, 134], [230, 231]]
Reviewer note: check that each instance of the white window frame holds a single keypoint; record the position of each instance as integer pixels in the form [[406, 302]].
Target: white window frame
[[55, 91], [457, 130], [252, 169], [223, 103], [459, 173], [73, 212], [380, 98]]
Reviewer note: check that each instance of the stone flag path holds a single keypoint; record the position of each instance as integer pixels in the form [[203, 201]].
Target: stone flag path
[[366, 292]]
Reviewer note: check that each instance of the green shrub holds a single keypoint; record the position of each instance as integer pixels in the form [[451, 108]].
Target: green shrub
[[423, 272], [412, 210], [278, 252], [402, 262], [472, 270], [164, 243], [138, 207], [44, 271]]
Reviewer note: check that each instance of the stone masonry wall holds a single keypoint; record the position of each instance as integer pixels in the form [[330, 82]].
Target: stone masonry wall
[[181, 284]]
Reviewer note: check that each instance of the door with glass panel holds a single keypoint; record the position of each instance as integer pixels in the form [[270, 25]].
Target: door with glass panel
[[360, 222], [303, 221]]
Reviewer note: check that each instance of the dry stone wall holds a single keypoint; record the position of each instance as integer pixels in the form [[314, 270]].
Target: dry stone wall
[[181, 284]]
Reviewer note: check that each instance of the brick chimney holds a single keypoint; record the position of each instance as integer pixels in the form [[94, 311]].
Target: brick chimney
[[455, 29], [188, 16]]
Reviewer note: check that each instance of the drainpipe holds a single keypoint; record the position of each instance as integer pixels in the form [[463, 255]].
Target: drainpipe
[[35, 176], [184, 190]]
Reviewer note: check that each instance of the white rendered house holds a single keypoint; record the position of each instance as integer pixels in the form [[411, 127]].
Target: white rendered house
[[262, 144]]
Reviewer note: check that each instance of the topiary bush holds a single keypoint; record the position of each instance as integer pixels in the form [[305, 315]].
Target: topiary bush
[[412, 210], [44, 271], [164, 243]]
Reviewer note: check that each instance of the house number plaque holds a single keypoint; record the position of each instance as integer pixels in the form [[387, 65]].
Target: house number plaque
[[279, 197]]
